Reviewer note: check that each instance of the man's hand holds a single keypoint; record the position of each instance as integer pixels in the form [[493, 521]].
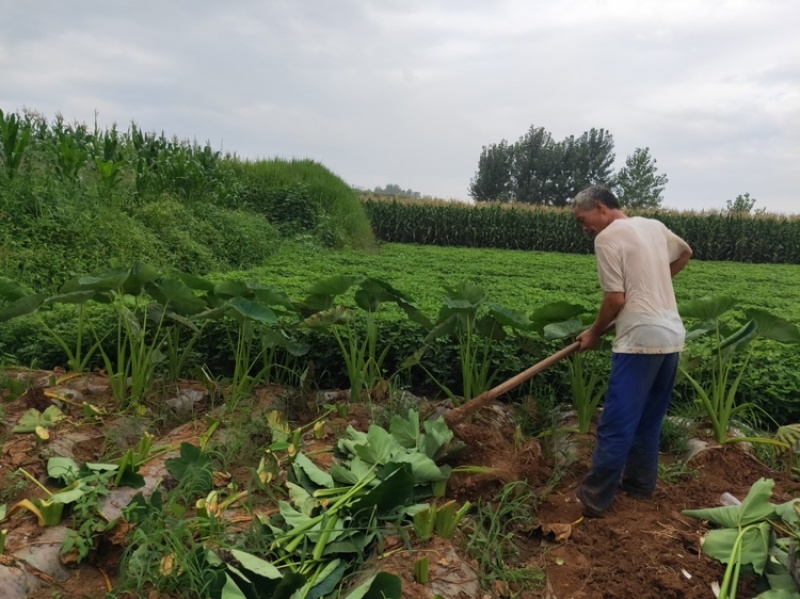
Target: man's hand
[[589, 340]]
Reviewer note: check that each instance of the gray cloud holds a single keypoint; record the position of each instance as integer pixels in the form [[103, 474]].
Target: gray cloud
[[408, 91]]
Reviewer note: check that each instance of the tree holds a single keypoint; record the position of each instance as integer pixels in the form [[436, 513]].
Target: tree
[[537, 169], [743, 204], [393, 189], [638, 184], [492, 182]]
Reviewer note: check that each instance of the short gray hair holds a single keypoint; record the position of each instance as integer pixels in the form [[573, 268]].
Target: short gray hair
[[587, 198]]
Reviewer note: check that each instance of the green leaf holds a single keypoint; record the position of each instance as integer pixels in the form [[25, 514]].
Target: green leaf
[[327, 318], [33, 418], [193, 466], [195, 282], [231, 590], [423, 468], [352, 472], [22, 306], [256, 565], [395, 488], [560, 330], [252, 311], [406, 432], [719, 544], [708, 308], [509, 318], [554, 312], [109, 280], [773, 327], [271, 296], [436, 439], [788, 512], [228, 289], [11, 291], [380, 447], [139, 277], [177, 295], [740, 338], [301, 499], [328, 580], [381, 586], [332, 286], [755, 507], [302, 465], [64, 469]]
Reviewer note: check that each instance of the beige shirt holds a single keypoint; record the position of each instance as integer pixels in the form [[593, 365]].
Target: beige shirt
[[633, 257]]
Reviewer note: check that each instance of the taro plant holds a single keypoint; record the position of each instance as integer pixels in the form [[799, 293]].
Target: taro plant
[[356, 332], [727, 357], [748, 542], [255, 310], [587, 377], [476, 326]]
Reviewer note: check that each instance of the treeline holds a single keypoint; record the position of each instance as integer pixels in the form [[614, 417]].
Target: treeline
[[75, 198], [713, 235], [538, 169]]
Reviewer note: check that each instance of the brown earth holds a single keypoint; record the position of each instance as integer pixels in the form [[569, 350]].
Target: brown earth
[[641, 549]]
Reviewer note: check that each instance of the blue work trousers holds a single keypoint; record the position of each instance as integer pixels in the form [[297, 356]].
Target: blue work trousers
[[629, 432]]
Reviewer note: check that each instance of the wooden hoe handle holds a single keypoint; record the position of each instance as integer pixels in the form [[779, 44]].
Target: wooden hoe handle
[[457, 415]]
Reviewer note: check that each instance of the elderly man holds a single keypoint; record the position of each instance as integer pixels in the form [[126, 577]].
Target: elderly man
[[636, 259]]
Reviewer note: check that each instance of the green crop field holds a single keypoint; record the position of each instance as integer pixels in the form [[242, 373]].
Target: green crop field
[[519, 279]]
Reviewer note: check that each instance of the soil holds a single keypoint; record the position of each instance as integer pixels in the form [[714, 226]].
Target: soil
[[641, 548]]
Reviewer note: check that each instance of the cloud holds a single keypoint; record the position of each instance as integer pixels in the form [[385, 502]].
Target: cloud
[[408, 91]]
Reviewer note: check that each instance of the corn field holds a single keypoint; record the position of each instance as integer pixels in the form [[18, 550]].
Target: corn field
[[713, 235]]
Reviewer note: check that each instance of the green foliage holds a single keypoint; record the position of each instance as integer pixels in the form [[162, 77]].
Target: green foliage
[[637, 185], [718, 393], [745, 541], [712, 235], [540, 170], [303, 197]]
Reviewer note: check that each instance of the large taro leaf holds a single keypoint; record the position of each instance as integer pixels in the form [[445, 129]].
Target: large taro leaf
[[707, 308], [396, 488], [328, 580], [754, 508], [108, 280], [719, 544], [487, 326], [306, 471], [271, 296], [560, 330], [789, 512], [465, 295], [406, 431], [554, 312], [244, 308], [196, 283], [381, 586], [228, 289], [773, 327], [436, 439], [301, 499], [351, 472], [509, 318], [332, 286], [446, 324], [22, 306], [700, 329], [192, 468], [11, 291], [231, 590], [739, 338], [64, 469], [380, 447], [139, 277], [423, 469], [256, 565], [177, 295]]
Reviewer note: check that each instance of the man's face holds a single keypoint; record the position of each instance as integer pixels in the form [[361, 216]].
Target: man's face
[[592, 220]]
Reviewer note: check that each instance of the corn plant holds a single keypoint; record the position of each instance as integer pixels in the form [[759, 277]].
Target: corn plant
[[732, 349], [14, 139]]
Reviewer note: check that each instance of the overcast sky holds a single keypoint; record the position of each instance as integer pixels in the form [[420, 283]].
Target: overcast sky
[[408, 91]]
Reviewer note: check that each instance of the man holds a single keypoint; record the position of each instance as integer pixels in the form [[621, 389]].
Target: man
[[636, 259]]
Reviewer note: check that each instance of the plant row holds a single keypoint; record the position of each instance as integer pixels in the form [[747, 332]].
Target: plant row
[[712, 235]]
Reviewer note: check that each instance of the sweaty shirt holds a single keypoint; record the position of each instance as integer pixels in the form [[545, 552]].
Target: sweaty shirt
[[633, 257]]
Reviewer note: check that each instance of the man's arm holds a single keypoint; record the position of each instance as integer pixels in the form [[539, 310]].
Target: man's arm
[[609, 309], [677, 266]]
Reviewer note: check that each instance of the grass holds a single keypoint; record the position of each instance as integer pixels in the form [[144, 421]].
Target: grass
[[493, 539]]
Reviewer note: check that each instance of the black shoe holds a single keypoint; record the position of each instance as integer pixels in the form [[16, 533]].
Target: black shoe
[[635, 493], [588, 509]]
